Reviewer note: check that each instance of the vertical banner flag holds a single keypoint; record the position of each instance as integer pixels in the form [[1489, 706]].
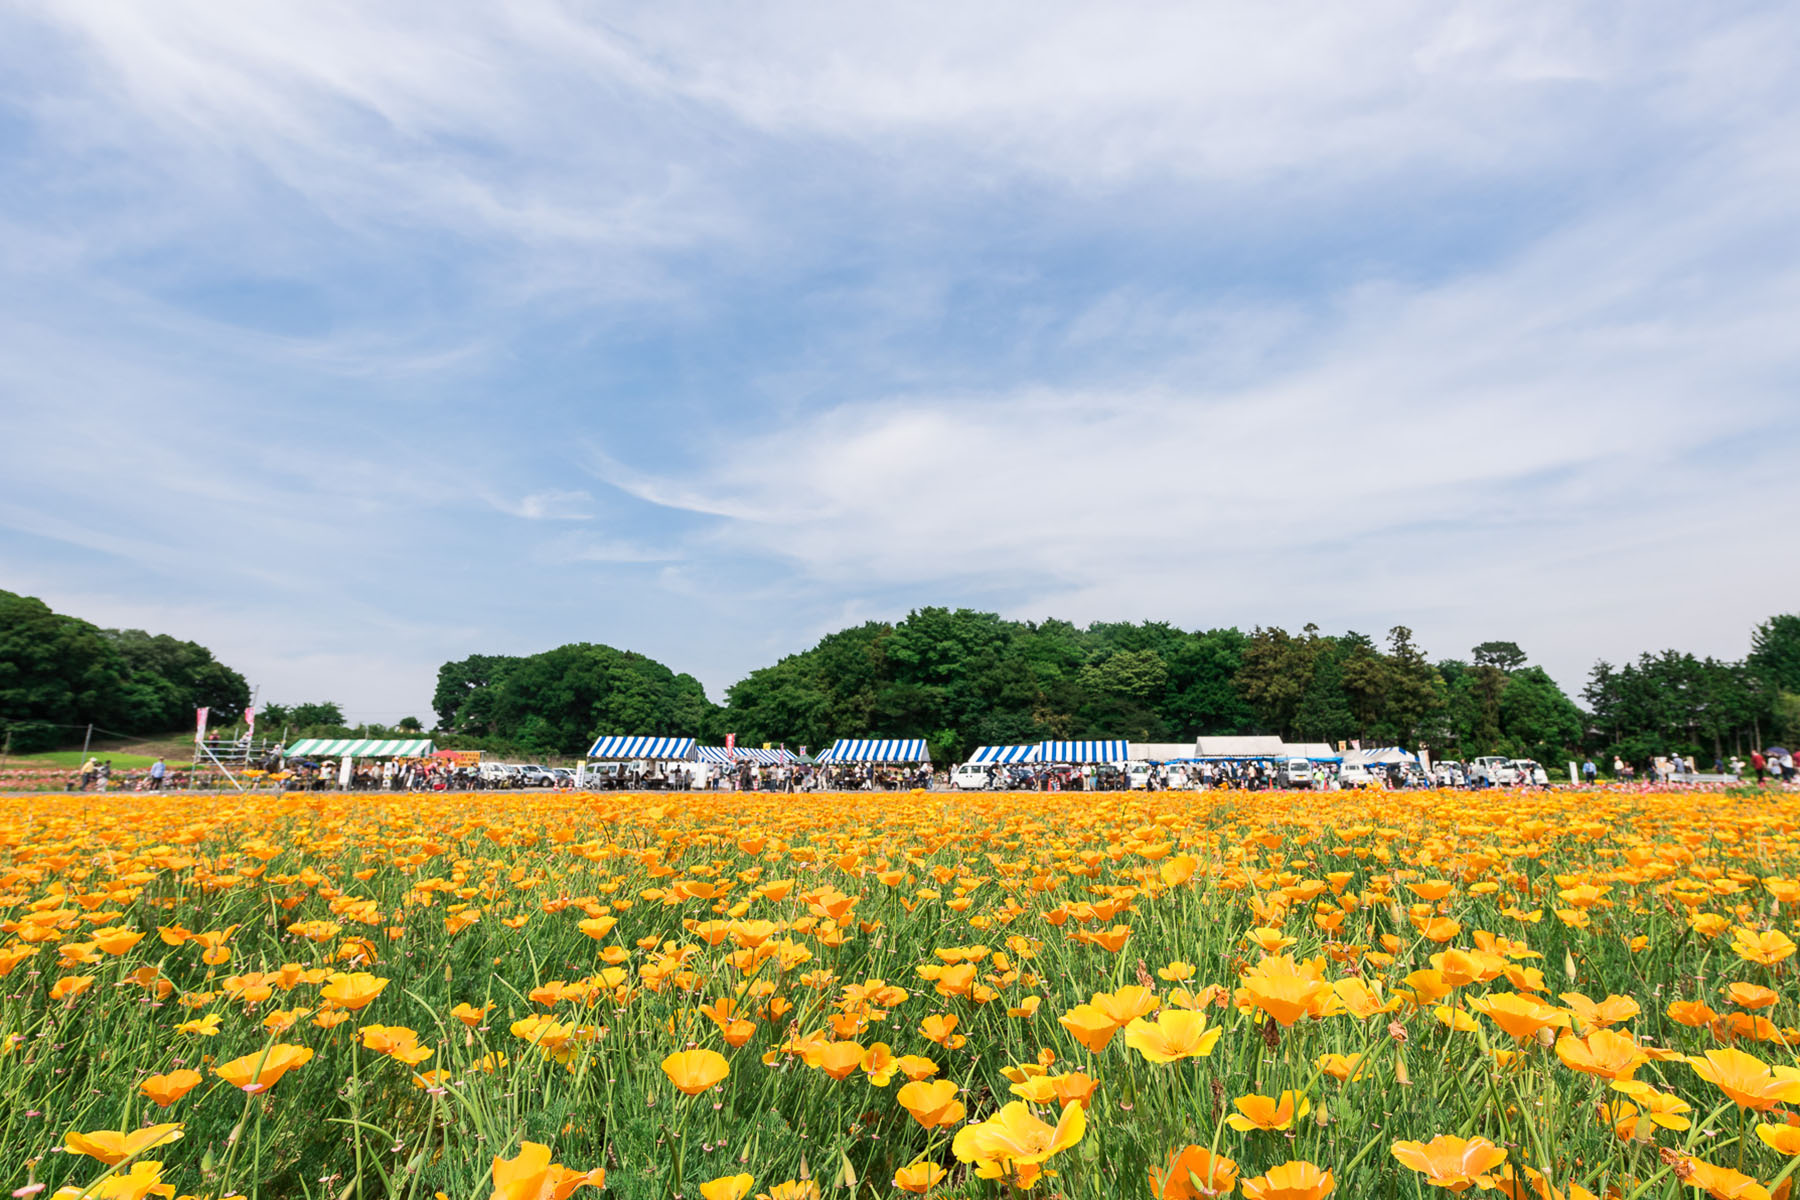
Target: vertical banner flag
[[731, 741], [250, 719], [200, 723]]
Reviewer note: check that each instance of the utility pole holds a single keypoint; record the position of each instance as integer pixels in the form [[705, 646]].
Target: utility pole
[[86, 740]]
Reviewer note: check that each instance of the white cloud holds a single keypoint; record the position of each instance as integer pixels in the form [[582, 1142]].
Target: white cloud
[[1515, 414], [1524, 447], [549, 505]]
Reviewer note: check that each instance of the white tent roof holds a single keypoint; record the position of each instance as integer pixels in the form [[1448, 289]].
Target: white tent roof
[[1158, 752], [1259, 746], [1380, 757]]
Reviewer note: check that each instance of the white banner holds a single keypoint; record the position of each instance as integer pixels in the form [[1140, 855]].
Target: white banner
[[200, 723]]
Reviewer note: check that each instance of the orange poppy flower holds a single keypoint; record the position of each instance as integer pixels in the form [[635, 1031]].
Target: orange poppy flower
[[113, 1147], [1750, 995], [1057, 1090], [919, 1178], [696, 1071], [1747, 1080], [1603, 1053], [1089, 1026], [352, 991], [1694, 1013], [1293, 1180], [1175, 1034], [1783, 1139], [263, 1069], [1193, 1173], [1521, 1016], [530, 1175], [727, 1187], [167, 1089], [1285, 990], [1268, 1112], [1454, 1163], [1765, 947], [932, 1104], [1014, 1138]]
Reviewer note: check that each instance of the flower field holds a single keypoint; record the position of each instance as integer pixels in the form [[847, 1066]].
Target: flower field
[[1274, 995]]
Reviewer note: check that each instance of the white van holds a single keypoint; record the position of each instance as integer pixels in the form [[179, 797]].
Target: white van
[[1296, 773], [1525, 771], [496, 774], [1355, 775], [970, 778], [1491, 770], [1138, 775]]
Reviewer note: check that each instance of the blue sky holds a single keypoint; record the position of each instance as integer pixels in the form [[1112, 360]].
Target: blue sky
[[349, 339]]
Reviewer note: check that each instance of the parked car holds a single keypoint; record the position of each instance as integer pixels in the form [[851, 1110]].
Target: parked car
[[565, 776], [1139, 774], [1491, 770], [970, 778], [1527, 771], [498, 774], [536, 775], [1448, 774], [1355, 775], [1294, 773]]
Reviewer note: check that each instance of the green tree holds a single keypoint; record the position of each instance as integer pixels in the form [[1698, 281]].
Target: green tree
[[1775, 652], [59, 673], [1540, 722], [462, 701], [1201, 698], [323, 714], [1276, 672], [1505, 655], [1415, 691], [1324, 713]]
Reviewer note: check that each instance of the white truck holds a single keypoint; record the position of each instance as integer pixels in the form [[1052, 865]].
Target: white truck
[[971, 777], [1491, 770], [1295, 773]]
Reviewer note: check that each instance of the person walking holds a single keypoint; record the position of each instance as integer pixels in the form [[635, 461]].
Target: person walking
[[1760, 765]]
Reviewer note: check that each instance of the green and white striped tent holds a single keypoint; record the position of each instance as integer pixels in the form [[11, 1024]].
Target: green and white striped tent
[[359, 748]]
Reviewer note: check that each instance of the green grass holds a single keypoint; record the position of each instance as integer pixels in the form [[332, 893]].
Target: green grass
[[74, 758]]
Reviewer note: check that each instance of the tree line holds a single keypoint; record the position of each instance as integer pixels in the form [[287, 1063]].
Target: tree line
[[961, 679], [59, 674]]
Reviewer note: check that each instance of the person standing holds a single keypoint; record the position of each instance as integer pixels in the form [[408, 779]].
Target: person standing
[[157, 770], [1589, 772], [1760, 765]]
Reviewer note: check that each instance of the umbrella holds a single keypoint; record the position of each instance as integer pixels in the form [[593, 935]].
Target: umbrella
[[1777, 750]]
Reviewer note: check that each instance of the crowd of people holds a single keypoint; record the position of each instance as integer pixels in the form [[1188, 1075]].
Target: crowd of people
[[96, 774]]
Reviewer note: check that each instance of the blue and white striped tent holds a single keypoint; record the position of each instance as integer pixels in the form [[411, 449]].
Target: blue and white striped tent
[[877, 750], [1382, 756], [625, 746], [1006, 755], [715, 754], [775, 756], [360, 748], [1078, 753]]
